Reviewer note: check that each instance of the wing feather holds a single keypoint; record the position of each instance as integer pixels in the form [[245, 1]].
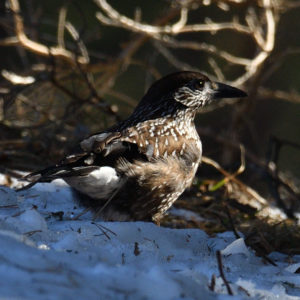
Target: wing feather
[[102, 149]]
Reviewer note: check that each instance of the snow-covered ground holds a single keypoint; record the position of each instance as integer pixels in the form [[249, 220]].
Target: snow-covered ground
[[46, 254]]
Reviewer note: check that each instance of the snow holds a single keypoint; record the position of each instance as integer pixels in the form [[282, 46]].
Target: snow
[[238, 246], [186, 214], [46, 253]]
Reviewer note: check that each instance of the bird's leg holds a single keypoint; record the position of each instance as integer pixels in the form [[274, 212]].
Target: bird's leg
[[82, 213], [97, 214], [157, 222]]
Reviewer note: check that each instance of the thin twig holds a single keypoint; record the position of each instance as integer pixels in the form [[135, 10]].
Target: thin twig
[[212, 284], [81, 214], [103, 228], [231, 222], [220, 266], [36, 47]]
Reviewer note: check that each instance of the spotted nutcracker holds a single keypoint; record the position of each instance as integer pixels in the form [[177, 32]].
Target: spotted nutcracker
[[138, 168]]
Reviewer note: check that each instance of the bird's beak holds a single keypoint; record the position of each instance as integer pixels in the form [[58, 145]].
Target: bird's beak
[[222, 90]]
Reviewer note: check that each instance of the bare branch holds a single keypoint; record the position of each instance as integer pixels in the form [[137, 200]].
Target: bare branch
[[207, 48], [10, 41], [292, 4], [262, 30], [260, 201], [213, 27], [173, 60], [17, 79], [36, 47], [293, 97], [266, 44], [216, 69], [116, 19], [75, 35], [61, 26]]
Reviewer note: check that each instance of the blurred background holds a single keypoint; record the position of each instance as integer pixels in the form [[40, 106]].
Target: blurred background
[[73, 68]]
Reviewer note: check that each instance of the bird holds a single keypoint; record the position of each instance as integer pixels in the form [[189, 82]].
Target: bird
[[136, 170]]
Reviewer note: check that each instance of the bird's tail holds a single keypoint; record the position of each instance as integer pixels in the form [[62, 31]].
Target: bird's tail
[[45, 175], [55, 172]]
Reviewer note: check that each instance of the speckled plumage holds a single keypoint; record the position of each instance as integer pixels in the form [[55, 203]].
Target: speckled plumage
[[138, 168]]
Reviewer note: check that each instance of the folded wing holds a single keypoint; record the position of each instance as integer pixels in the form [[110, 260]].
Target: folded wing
[[96, 155]]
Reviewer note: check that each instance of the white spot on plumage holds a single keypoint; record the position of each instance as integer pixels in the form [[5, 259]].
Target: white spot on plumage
[[157, 152], [98, 184], [150, 150], [104, 175]]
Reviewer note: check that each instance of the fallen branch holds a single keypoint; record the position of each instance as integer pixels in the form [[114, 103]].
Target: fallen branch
[[220, 266]]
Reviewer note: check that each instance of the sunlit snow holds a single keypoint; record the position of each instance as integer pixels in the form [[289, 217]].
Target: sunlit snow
[[45, 253]]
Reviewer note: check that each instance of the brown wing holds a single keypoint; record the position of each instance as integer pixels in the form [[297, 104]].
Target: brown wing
[[98, 150]]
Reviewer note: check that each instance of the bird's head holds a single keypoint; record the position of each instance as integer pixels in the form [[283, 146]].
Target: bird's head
[[193, 89], [182, 91], [197, 90]]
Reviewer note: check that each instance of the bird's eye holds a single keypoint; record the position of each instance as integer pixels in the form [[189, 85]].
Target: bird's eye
[[199, 84]]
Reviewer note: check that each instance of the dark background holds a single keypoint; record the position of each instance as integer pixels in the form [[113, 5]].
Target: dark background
[[31, 138]]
